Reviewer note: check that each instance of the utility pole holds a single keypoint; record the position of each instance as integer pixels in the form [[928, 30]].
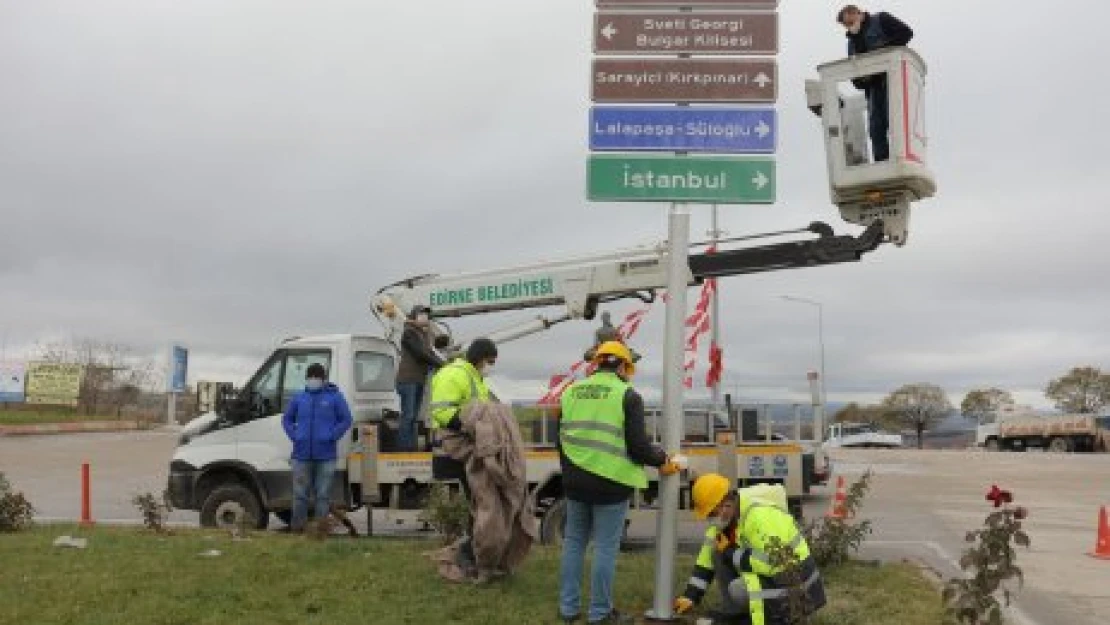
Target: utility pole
[[715, 312], [818, 434]]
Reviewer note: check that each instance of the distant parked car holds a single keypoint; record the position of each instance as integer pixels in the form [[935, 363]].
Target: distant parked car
[[860, 435]]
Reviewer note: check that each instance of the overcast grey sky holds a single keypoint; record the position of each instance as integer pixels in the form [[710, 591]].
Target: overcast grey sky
[[227, 173]]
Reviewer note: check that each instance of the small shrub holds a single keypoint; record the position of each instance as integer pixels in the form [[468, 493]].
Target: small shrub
[[154, 510], [797, 604], [972, 599], [446, 512], [832, 542], [16, 513]]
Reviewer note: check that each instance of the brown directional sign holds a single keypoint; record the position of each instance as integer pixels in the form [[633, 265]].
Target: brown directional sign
[[730, 4], [678, 33], [685, 80]]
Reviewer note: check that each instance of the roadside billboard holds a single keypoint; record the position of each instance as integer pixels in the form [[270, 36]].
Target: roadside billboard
[[13, 375], [54, 383]]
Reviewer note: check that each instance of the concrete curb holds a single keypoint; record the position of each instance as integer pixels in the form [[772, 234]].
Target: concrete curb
[[73, 427]]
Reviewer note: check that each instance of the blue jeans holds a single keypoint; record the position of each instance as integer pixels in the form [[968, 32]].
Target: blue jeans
[[311, 478], [411, 395], [604, 524]]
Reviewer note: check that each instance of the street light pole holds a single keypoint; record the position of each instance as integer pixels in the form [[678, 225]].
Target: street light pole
[[819, 435]]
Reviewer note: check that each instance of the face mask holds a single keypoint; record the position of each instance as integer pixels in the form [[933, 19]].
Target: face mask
[[422, 319], [314, 384], [486, 370], [854, 28]]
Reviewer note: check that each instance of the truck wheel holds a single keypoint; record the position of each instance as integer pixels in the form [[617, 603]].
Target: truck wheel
[[1060, 445], [552, 523], [992, 445], [226, 507]]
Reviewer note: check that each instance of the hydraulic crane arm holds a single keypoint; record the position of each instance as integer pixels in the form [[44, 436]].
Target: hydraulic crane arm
[[828, 249], [582, 284]]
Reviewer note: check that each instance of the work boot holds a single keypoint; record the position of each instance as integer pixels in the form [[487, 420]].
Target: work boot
[[615, 618]]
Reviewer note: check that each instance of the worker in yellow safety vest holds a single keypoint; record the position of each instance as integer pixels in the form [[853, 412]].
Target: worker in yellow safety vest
[[455, 385], [603, 448], [734, 553]]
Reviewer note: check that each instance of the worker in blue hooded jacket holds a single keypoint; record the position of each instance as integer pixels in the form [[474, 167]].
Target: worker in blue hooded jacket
[[315, 420]]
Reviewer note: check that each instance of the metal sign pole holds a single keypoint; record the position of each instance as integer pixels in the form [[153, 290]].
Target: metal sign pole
[[715, 316], [667, 534]]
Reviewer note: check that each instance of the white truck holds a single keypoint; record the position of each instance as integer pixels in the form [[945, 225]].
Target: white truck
[[235, 460], [861, 435], [1017, 431]]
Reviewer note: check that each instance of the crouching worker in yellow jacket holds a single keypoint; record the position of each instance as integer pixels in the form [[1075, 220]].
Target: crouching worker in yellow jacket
[[735, 554]]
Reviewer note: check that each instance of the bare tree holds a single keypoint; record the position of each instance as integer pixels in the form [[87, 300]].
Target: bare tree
[[921, 405], [114, 377], [980, 402], [1083, 389]]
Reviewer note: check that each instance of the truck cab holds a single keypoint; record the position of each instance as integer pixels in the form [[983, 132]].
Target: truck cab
[[235, 460]]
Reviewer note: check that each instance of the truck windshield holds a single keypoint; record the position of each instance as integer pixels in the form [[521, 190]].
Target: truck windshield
[[373, 372]]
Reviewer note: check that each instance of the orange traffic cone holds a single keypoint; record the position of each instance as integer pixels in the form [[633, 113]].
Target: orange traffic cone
[[1102, 543], [837, 509]]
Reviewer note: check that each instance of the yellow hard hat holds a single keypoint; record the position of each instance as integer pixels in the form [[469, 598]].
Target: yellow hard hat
[[618, 350], [708, 491]]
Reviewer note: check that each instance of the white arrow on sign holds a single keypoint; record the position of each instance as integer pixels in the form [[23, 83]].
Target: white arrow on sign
[[760, 180], [609, 31], [762, 129], [762, 80]]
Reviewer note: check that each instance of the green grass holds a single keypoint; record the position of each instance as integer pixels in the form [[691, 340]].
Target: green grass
[[28, 417], [129, 576]]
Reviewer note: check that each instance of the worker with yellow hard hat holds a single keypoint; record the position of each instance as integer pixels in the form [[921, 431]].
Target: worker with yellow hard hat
[[735, 553], [603, 448]]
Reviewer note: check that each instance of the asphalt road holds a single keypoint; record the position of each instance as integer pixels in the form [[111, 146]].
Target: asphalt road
[[922, 504]]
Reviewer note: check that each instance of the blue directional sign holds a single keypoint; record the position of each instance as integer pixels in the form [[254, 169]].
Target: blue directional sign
[[683, 129], [179, 361]]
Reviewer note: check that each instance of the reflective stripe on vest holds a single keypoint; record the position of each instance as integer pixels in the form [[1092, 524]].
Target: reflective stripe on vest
[[781, 593], [774, 522], [591, 430], [450, 369]]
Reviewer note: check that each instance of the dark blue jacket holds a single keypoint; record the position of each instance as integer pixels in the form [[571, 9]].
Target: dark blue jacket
[[315, 420], [879, 30]]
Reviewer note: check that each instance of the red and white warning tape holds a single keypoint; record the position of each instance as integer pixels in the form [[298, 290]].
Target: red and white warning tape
[[697, 324]]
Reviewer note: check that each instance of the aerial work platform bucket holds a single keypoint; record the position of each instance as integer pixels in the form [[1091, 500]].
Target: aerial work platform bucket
[[863, 189]]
